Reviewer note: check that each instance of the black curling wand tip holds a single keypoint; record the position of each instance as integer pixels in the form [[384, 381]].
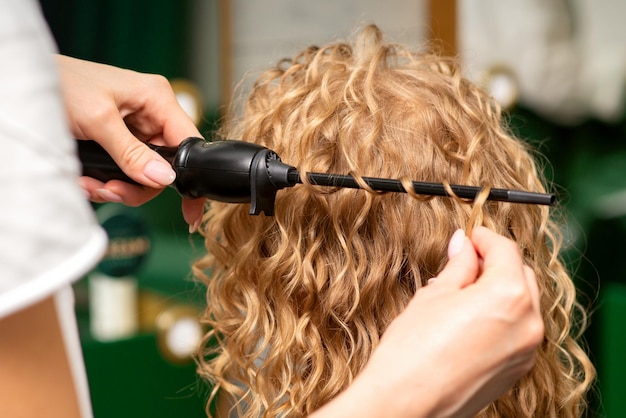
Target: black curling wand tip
[[424, 188]]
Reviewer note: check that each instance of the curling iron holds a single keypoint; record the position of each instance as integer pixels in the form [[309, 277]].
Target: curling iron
[[242, 172]]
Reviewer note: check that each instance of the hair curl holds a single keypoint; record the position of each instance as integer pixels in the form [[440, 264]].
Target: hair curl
[[296, 303]]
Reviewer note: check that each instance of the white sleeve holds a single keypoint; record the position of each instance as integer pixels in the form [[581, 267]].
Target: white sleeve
[[49, 236]]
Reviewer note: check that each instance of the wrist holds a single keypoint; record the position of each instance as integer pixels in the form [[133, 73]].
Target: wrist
[[371, 395]]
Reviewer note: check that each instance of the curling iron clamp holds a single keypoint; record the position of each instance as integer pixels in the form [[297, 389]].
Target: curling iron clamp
[[242, 172]]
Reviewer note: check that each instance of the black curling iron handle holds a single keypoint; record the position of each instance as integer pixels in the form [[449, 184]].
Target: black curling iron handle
[[97, 163], [225, 170]]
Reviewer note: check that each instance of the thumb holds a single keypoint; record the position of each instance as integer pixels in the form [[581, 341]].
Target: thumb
[[462, 267]]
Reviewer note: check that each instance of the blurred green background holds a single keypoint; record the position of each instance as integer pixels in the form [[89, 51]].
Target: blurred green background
[[130, 377]]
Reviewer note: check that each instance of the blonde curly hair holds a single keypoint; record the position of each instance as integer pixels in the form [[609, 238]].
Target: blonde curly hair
[[297, 303]]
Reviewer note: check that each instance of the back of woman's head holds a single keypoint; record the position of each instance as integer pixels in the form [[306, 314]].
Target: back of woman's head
[[298, 301]]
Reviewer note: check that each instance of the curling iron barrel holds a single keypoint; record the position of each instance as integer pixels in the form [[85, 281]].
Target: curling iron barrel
[[240, 172]]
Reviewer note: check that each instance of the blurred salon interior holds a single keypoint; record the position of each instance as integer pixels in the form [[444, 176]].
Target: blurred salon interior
[[558, 67]]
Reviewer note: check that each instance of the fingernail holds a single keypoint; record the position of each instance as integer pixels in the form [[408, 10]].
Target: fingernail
[[108, 195], [432, 280], [159, 172], [456, 243], [194, 226]]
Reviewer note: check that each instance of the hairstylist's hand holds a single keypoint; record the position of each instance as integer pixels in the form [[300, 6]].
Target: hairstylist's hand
[[463, 341], [121, 109]]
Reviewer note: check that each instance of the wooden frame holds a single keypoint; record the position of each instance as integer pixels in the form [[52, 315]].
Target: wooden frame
[[442, 24]]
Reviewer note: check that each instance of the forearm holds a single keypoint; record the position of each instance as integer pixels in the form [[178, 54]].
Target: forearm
[[373, 397], [36, 378]]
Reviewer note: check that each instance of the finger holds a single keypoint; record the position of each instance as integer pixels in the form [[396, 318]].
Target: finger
[[177, 124], [162, 115], [499, 254], [97, 192], [193, 209], [505, 273], [116, 191], [178, 127], [462, 267], [130, 194], [133, 156], [90, 185]]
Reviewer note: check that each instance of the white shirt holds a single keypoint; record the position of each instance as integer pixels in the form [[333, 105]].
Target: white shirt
[[49, 236]]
